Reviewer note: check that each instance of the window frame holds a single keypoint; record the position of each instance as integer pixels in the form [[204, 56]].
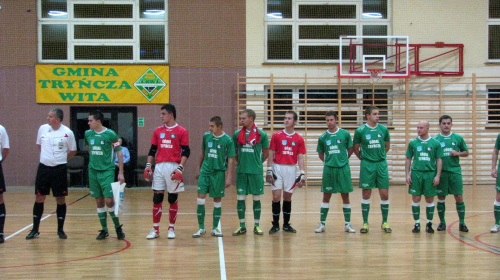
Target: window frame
[[136, 21], [491, 22], [295, 22]]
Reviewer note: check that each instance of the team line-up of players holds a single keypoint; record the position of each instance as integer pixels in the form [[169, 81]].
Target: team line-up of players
[[432, 169]]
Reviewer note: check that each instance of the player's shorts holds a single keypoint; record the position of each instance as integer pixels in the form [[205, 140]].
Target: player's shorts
[[51, 177], [450, 183], [421, 183], [337, 179], [374, 174], [249, 184], [100, 182], [2, 181], [286, 175], [214, 183], [161, 178]]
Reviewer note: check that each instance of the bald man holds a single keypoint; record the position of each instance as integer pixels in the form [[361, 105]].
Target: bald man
[[425, 173]]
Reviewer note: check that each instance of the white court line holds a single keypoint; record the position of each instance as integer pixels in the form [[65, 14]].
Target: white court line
[[221, 256], [25, 228]]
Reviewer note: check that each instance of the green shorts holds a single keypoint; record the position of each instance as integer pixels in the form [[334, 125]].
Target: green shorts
[[374, 174], [213, 183], [249, 184], [421, 183], [337, 179], [450, 183], [100, 182]]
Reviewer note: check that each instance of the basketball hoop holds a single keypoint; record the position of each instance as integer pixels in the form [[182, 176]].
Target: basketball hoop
[[376, 74]]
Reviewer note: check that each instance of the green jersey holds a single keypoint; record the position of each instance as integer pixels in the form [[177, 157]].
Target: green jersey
[[102, 147], [335, 147], [424, 154], [250, 156], [448, 144], [216, 149], [497, 146], [372, 141]]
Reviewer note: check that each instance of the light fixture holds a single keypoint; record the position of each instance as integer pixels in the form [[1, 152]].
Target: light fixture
[[58, 13], [274, 15], [372, 15], [154, 12]]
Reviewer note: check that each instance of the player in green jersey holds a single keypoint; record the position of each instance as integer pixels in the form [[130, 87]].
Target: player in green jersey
[[334, 149], [494, 174], [252, 149], [425, 173], [454, 147], [371, 144], [102, 143], [214, 173]]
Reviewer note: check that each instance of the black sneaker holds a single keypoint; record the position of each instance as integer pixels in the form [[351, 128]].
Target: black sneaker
[[463, 228], [274, 229], [1, 238], [61, 234], [416, 228], [289, 228], [103, 234], [33, 234], [441, 227], [428, 227], [119, 233]]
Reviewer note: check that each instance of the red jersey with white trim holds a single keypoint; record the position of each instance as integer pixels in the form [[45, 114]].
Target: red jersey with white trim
[[169, 141], [287, 147]]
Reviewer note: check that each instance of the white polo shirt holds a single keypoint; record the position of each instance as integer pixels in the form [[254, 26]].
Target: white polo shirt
[[4, 140], [55, 144]]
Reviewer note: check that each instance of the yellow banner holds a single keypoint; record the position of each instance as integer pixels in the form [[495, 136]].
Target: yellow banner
[[100, 84]]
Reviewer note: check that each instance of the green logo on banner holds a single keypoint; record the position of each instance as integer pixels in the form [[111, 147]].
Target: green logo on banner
[[149, 84]]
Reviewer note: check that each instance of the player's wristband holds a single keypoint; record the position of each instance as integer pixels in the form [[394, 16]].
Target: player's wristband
[[148, 165], [180, 168]]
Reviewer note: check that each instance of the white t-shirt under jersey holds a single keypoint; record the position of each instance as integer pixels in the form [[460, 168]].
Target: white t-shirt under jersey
[[55, 144]]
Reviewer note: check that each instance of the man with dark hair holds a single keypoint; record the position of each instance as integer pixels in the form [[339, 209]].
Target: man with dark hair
[[252, 149], [334, 149], [371, 144], [214, 173], [4, 151], [57, 145], [102, 144], [286, 150], [454, 147], [170, 146]]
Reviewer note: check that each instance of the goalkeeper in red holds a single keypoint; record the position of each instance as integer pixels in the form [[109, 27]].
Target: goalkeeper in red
[[286, 149], [214, 173], [170, 146], [252, 149]]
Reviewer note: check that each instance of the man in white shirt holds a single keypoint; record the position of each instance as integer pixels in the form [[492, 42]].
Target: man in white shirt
[[4, 151], [57, 145]]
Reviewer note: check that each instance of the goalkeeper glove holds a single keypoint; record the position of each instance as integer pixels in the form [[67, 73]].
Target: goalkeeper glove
[[270, 176], [301, 180], [176, 175], [148, 172]]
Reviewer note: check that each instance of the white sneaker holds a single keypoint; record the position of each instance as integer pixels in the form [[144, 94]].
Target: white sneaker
[[197, 234], [153, 234], [321, 228], [171, 233], [216, 232], [495, 228], [348, 228]]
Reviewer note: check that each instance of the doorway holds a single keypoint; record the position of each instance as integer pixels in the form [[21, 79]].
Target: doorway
[[123, 120]]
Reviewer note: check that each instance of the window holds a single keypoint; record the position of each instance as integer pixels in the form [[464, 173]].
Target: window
[[309, 31], [494, 106], [494, 30], [114, 31]]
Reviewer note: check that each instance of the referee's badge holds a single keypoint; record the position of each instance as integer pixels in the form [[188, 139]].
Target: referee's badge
[[162, 135], [419, 148], [443, 144], [210, 144], [368, 136], [283, 142]]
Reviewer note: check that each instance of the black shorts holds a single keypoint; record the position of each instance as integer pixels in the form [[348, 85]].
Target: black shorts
[[2, 181], [51, 177]]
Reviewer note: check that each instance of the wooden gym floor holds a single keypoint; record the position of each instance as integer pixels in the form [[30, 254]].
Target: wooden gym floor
[[304, 255]]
